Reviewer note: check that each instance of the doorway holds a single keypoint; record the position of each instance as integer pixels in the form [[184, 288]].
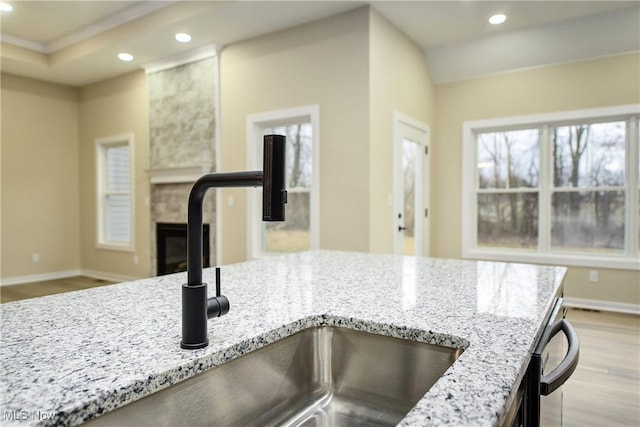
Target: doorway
[[411, 186]]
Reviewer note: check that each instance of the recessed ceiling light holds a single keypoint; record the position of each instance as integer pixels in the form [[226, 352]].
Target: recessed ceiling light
[[5, 7], [497, 19], [125, 57], [183, 37]]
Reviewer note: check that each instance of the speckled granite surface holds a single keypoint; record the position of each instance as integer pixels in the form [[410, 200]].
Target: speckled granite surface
[[66, 358]]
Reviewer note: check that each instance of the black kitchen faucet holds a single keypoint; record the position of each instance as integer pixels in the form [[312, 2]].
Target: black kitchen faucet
[[196, 307]]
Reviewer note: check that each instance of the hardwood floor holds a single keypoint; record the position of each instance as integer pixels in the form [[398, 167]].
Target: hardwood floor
[[49, 287], [604, 390]]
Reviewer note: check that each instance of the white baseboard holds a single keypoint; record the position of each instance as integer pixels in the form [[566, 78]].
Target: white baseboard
[[17, 280], [617, 307], [107, 276]]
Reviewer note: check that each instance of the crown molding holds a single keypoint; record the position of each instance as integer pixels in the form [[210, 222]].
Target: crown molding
[[27, 44], [127, 15]]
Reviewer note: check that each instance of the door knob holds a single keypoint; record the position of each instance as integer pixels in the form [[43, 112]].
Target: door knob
[[400, 228]]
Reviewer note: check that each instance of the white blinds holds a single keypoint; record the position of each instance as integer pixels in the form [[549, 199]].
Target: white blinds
[[117, 197]]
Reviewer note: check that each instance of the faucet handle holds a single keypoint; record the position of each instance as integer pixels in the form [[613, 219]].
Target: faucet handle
[[219, 305], [217, 281]]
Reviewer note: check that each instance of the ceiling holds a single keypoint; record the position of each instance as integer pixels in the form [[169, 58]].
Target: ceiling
[[77, 42]]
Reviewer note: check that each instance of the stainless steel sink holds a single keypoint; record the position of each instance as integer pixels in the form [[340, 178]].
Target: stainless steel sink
[[323, 376]]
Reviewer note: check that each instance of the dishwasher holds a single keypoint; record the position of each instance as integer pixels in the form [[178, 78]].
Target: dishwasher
[[553, 361], [538, 400]]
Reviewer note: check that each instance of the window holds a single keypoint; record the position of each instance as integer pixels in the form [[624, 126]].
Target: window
[[507, 195], [114, 183], [588, 191], [299, 231], [294, 234], [558, 188]]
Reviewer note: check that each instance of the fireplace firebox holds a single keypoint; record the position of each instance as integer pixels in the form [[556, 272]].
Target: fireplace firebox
[[171, 239]]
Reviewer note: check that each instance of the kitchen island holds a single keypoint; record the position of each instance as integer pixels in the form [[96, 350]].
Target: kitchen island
[[68, 358]]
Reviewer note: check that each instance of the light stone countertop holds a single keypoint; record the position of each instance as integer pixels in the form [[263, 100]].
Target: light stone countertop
[[65, 358]]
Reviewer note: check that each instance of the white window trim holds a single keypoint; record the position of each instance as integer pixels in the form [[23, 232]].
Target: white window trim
[[258, 121], [628, 261], [101, 144]]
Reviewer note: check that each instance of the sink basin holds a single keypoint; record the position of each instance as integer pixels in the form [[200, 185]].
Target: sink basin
[[321, 376]]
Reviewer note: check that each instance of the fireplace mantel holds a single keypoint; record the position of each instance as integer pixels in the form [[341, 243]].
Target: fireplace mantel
[[184, 174]]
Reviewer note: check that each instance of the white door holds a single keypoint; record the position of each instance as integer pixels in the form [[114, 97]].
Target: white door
[[411, 186]]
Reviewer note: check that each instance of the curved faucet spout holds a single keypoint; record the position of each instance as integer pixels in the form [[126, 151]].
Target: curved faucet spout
[[196, 307], [194, 215]]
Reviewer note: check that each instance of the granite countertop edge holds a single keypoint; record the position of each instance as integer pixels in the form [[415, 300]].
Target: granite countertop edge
[[454, 399]]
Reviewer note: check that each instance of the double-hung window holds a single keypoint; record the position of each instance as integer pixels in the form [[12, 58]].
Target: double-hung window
[[114, 192], [559, 188], [299, 231]]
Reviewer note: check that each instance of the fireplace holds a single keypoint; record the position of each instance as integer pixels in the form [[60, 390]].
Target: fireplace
[[171, 244]]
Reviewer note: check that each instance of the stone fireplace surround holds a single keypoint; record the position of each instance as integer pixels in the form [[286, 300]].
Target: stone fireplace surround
[[182, 125]]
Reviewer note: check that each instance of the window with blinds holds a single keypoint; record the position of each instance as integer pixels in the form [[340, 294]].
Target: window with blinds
[[115, 224]]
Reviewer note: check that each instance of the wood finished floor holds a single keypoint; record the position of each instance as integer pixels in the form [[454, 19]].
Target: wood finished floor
[[49, 287], [604, 391], [605, 388]]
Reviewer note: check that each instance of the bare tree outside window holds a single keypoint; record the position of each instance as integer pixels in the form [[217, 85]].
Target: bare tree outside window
[[508, 175], [588, 200], [293, 235], [555, 187]]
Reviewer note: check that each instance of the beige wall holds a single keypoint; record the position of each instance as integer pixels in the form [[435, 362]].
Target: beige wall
[[622, 286], [40, 212], [357, 67], [399, 81], [48, 175], [324, 63], [591, 84], [108, 108]]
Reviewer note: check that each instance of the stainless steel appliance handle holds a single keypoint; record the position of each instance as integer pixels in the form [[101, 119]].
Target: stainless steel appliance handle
[[554, 379]]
